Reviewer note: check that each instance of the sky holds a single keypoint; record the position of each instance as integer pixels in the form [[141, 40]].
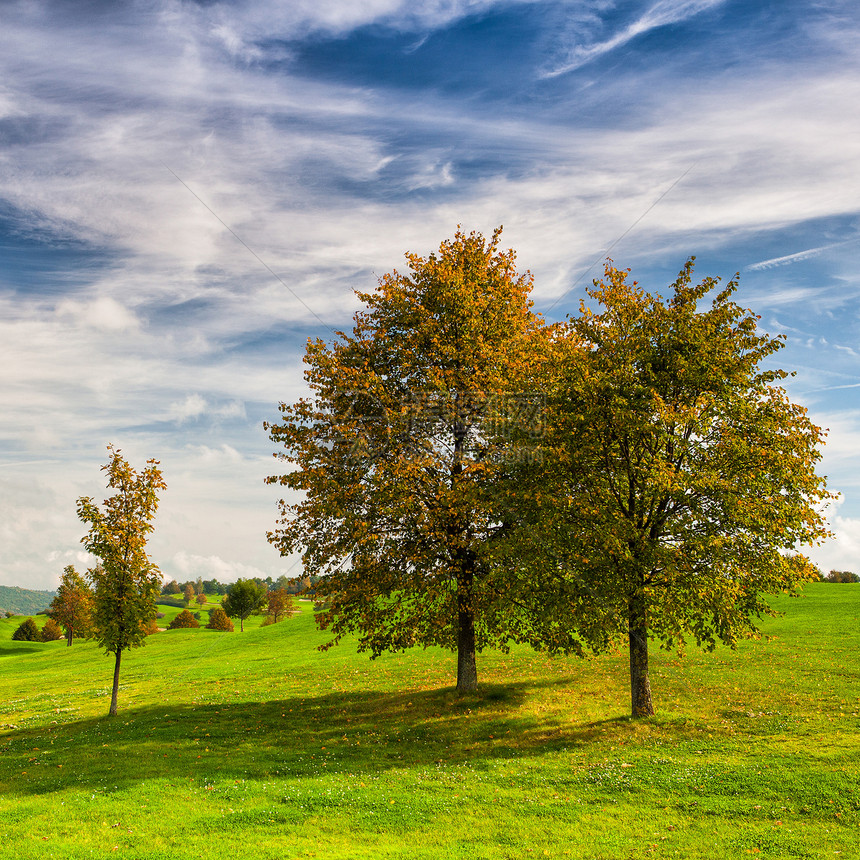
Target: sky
[[190, 190]]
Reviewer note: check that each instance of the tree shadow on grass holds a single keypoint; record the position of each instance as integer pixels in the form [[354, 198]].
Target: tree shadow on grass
[[11, 650], [360, 732]]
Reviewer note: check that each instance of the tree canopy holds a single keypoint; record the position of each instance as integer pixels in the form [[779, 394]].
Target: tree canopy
[[398, 449], [125, 581], [677, 481]]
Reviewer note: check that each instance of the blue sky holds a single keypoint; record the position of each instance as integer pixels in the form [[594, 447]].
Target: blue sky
[[188, 191]]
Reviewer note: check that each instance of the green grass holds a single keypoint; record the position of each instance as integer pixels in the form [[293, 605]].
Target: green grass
[[259, 745]]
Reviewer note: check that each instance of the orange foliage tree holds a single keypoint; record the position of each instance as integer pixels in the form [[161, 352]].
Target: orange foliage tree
[[72, 606], [397, 452]]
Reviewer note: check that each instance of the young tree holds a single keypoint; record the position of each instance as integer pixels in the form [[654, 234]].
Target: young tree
[[279, 604], [678, 477], [188, 593], [244, 598], [398, 450], [72, 606], [126, 582], [201, 599]]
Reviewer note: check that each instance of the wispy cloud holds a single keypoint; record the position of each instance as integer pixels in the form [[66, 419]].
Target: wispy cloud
[[797, 257], [661, 14]]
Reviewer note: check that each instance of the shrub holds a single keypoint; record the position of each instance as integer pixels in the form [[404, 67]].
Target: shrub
[[149, 627], [52, 631], [27, 632], [218, 620], [184, 619]]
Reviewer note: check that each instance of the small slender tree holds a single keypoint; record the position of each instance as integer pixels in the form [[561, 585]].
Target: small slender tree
[[126, 582], [72, 607], [188, 593], [244, 598], [279, 604]]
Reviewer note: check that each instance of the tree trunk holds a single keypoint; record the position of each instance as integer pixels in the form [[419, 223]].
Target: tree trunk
[[69, 633], [467, 667], [115, 683], [640, 684]]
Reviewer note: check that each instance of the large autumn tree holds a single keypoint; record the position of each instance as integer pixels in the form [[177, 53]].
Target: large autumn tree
[[126, 582], [677, 479], [396, 453], [73, 604]]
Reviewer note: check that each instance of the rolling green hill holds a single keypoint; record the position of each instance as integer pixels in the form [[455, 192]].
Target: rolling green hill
[[24, 601], [257, 744]]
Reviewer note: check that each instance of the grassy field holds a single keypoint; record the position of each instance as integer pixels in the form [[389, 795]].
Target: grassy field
[[258, 745]]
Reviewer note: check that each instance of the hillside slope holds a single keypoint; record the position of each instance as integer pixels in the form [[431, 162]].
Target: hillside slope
[[24, 601]]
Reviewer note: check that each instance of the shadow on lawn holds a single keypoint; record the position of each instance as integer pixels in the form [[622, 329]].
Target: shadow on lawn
[[355, 732], [10, 650]]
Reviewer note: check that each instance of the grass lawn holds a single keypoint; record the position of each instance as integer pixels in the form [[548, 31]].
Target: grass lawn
[[258, 745]]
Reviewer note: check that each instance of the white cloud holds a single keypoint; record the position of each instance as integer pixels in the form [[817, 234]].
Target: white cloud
[[103, 313], [660, 14], [186, 566], [797, 257], [192, 407]]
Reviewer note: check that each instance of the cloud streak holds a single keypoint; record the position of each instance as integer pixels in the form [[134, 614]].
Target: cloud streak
[[663, 13]]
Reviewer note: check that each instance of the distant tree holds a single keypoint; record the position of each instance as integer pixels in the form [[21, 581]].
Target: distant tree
[[188, 593], [842, 576], [171, 587], [72, 607], [218, 620], [52, 631], [201, 599], [126, 582], [182, 620], [27, 631], [244, 598], [279, 604]]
